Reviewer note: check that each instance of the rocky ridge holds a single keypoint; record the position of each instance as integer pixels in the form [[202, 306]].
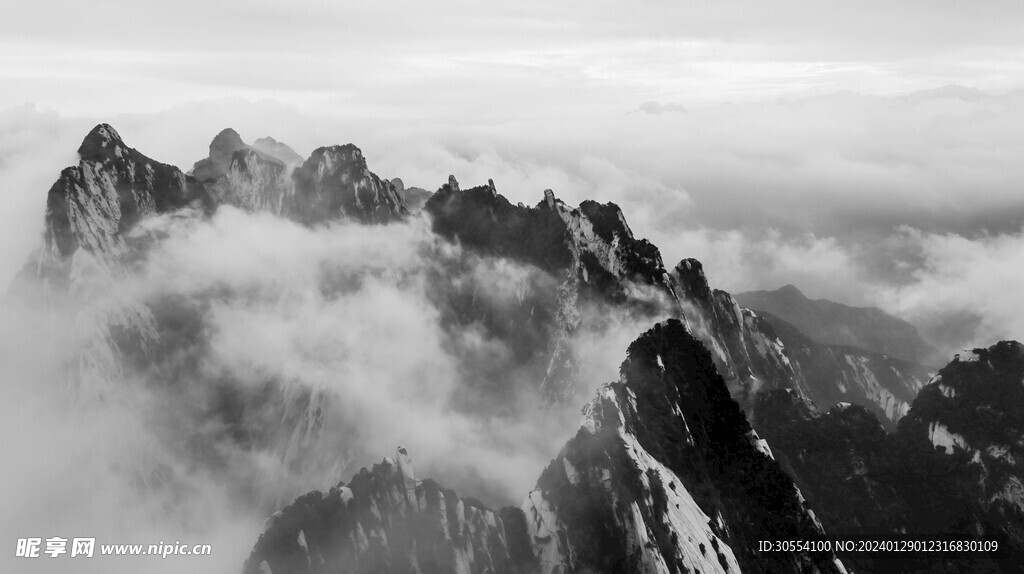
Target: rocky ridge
[[949, 472], [666, 475], [385, 521], [838, 374], [830, 323]]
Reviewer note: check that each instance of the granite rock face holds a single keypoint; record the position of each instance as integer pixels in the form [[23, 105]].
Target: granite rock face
[[950, 471], [599, 264], [90, 212], [335, 183], [243, 176], [666, 475], [838, 374], [387, 521], [92, 205]]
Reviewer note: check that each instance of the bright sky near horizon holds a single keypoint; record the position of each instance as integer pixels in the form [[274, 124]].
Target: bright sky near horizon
[[488, 61]]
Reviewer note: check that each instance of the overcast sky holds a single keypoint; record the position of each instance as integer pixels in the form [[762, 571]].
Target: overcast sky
[[488, 60], [850, 148]]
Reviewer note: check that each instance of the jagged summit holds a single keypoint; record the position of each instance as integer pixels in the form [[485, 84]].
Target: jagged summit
[[240, 175], [111, 188], [692, 281], [385, 521], [666, 475], [100, 143], [225, 143], [951, 470], [335, 182], [224, 149]]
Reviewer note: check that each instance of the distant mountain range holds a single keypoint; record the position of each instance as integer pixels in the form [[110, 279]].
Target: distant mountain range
[[831, 323]]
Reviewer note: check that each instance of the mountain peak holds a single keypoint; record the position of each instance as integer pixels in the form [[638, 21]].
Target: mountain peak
[[549, 198], [336, 182], [831, 323], [690, 275], [336, 157], [790, 290], [100, 143], [225, 144], [222, 148]]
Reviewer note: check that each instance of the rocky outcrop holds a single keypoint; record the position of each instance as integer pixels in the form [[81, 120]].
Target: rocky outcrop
[[222, 149], [598, 261], [335, 183], [830, 323], [557, 240], [95, 236], [746, 348], [92, 205], [666, 475], [972, 415], [385, 521], [949, 472], [243, 176], [90, 211]]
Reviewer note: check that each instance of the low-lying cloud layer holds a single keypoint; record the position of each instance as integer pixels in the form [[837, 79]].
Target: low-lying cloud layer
[[289, 358]]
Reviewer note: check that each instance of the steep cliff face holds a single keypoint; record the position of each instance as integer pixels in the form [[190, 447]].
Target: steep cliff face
[[666, 475], [585, 261], [831, 323], [594, 255], [254, 182], [92, 205], [385, 521], [90, 211], [268, 176], [949, 472], [336, 183], [746, 348], [97, 242], [836, 374], [842, 460], [972, 413]]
